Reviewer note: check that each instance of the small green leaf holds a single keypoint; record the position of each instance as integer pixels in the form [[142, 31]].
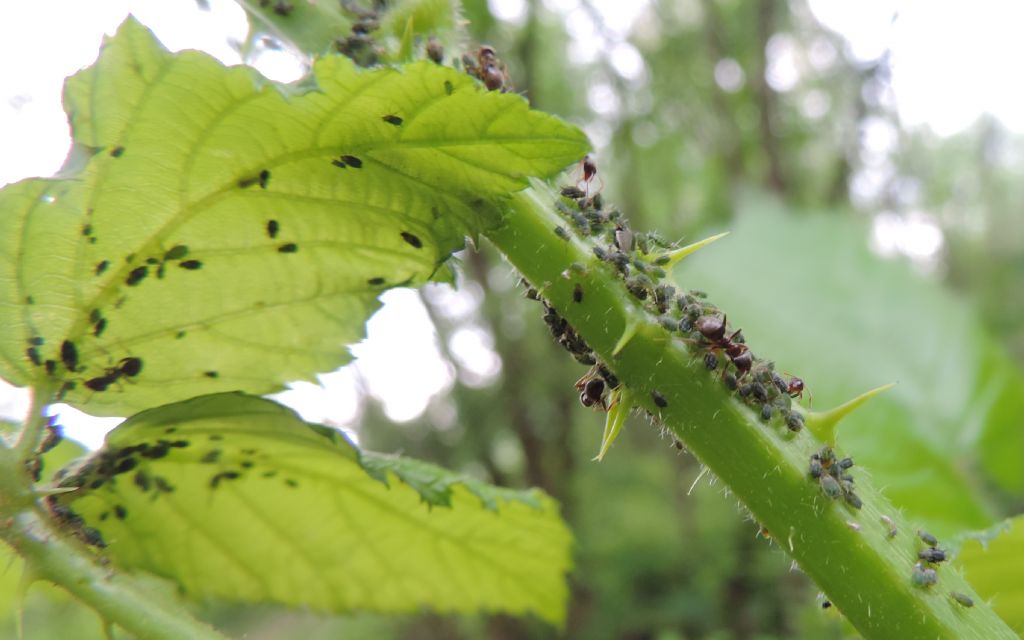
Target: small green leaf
[[229, 233], [994, 564], [235, 497]]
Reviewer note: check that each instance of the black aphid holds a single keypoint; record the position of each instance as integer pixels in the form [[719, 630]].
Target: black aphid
[[120, 512], [223, 475], [264, 179], [191, 265], [352, 161], [659, 399], [931, 554], [69, 355], [51, 367], [411, 239], [577, 293], [211, 374], [141, 480], [448, 88], [290, 247], [33, 354], [98, 328], [137, 275], [375, 282], [272, 228], [101, 266], [338, 163], [392, 119], [117, 152]]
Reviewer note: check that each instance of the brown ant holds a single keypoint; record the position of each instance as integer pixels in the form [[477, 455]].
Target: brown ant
[[713, 329], [592, 386], [795, 388], [588, 171], [487, 68]]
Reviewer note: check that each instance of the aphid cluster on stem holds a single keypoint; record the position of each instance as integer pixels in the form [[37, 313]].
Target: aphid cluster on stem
[[834, 476], [360, 45]]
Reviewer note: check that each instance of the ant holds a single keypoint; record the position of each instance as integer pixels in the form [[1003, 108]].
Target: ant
[[795, 388], [588, 169], [592, 386], [487, 68], [713, 329]]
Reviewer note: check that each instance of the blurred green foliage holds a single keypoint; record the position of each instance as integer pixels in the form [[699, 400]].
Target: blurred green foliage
[[659, 555]]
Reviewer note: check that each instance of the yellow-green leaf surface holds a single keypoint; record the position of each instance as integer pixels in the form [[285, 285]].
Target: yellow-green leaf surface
[[995, 567], [233, 234], [234, 497]]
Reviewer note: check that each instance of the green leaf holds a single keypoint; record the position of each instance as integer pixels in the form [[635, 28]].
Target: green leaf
[[235, 497], [807, 290], [312, 27], [994, 563], [229, 233]]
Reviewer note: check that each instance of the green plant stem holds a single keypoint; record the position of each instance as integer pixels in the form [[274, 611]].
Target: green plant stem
[[53, 554], [35, 422], [848, 552]]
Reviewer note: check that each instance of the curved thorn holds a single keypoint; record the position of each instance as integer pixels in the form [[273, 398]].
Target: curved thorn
[[627, 335], [823, 423], [617, 413], [675, 256]]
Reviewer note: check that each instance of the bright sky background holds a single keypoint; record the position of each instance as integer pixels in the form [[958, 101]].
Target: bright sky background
[[951, 62]]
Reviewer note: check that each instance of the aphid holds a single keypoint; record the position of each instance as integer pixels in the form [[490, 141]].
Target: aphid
[[289, 247], [815, 468], [435, 52], [137, 275], [272, 228], [572, 192], [120, 512], [191, 265], [759, 392], [825, 604], [668, 323], [745, 390], [69, 355], [33, 355], [98, 328], [141, 480], [264, 179], [766, 412], [562, 233], [117, 152], [284, 8], [794, 422], [779, 382], [831, 486], [686, 325], [375, 282], [223, 475], [600, 253], [412, 240], [962, 599], [211, 374], [730, 381], [577, 293], [932, 554], [448, 88], [923, 577], [177, 252], [623, 238], [845, 463], [338, 163], [101, 266], [392, 119], [659, 399], [853, 499], [888, 522], [352, 161], [710, 361], [928, 538]]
